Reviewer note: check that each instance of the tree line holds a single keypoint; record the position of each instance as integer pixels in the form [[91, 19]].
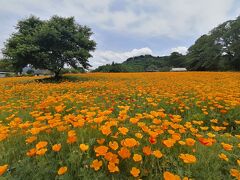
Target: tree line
[[219, 50], [49, 44], [60, 43]]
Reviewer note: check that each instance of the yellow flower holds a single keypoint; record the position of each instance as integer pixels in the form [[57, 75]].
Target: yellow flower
[[182, 142], [83, 147], [135, 172], [188, 158], [157, 154], [211, 135], [223, 156], [137, 157], [62, 170], [139, 135], [3, 169]]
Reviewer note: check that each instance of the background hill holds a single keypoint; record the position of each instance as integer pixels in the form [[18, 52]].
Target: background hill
[[219, 50]]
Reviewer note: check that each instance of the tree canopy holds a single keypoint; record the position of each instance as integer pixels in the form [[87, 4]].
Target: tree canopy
[[50, 44], [218, 50]]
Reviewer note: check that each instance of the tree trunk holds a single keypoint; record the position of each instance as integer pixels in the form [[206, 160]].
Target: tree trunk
[[57, 75]]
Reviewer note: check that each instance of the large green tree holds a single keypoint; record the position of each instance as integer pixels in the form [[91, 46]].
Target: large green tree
[[50, 44], [6, 66], [217, 50]]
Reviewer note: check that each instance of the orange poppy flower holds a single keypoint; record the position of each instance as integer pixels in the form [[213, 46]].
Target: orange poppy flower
[[41, 152], [100, 141], [169, 176], [227, 147], [106, 130], [71, 139], [31, 139], [31, 152], [56, 147], [123, 130], [3, 169], [152, 140], [41, 144], [130, 142], [96, 165], [124, 153], [137, 157], [207, 141], [235, 173], [101, 150], [112, 167], [83, 147], [147, 150], [188, 158], [169, 142], [190, 142], [109, 156], [62, 170], [157, 154], [113, 145], [135, 172]]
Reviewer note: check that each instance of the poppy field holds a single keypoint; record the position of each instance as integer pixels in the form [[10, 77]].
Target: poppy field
[[167, 126]]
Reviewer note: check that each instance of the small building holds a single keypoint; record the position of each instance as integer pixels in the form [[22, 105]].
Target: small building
[[178, 69]]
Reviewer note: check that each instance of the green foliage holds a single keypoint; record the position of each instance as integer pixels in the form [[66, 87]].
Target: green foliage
[[145, 63], [114, 67], [219, 50], [6, 65], [50, 44]]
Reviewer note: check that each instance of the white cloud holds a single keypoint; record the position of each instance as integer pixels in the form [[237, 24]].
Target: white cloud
[[152, 19], [171, 18], [107, 57], [181, 49]]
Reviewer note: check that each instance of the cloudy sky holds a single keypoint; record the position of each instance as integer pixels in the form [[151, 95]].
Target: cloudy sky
[[125, 28]]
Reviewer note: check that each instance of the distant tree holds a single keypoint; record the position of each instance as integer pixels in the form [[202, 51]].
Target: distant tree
[[50, 44], [204, 54], [219, 50], [6, 66], [152, 68], [176, 60]]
